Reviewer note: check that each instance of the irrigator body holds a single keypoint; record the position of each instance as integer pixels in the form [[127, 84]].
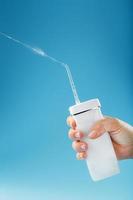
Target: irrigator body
[[101, 160]]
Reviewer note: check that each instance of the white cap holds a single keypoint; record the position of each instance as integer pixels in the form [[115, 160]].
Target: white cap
[[87, 105]]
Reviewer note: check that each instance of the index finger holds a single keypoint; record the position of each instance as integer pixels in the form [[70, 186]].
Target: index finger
[[71, 122]]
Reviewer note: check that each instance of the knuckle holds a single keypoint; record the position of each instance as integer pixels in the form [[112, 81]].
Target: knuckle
[[113, 121], [70, 133], [116, 120], [74, 145], [68, 121]]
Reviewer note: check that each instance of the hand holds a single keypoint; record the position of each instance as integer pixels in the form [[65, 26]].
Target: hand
[[120, 132]]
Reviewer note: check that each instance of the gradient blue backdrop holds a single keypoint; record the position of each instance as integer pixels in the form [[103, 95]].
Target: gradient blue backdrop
[[94, 37]]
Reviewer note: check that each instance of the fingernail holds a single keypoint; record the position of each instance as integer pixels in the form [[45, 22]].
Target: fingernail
[[80, 157], [77, 135], [83, 147], [92, 134]]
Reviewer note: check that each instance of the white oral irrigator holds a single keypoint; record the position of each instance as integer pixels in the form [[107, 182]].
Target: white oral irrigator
[[101, 160]]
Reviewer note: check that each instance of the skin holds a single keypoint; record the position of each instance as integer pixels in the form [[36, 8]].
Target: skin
[[120, 132]]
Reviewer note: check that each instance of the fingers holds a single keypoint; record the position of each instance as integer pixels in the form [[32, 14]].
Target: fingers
[[107, 124], [71, 122], [80, 146], [74, 134], [77, 145]]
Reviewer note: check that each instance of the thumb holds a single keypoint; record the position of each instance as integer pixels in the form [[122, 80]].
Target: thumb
[[107, 124]]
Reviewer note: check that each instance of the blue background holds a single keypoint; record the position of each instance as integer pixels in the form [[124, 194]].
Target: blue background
[[95, 38]]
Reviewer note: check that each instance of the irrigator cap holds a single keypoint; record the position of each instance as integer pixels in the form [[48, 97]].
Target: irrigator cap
[[85, 106]]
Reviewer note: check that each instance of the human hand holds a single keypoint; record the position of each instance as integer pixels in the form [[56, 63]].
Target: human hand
[[120, 132]]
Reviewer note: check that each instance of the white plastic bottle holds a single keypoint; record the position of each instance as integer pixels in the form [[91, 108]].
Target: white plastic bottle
[[101, 160]]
